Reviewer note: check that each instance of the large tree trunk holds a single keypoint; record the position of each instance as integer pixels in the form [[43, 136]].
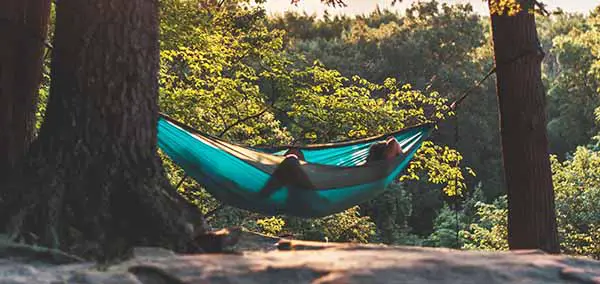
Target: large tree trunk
[[521, 97], [94, 183], [23, 28]]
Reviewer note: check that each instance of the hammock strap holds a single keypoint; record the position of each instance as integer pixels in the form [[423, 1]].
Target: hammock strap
[[537, 50], [467, 92], [181, 181], [456, 196]]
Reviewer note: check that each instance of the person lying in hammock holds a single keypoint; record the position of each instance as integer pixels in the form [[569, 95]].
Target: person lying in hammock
[[385, 150], [288, 173], [382, 150]]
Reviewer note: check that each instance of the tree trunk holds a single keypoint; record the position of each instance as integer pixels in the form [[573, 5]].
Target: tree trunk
[[23, 28], [521, 98], [94, 184]]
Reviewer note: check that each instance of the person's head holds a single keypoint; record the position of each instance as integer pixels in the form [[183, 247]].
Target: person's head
[[384, 150]]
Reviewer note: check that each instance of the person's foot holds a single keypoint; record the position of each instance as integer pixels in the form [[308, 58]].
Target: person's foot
[[393, 148]]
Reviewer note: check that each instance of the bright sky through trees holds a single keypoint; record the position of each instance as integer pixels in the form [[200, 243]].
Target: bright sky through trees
[[366, 6]]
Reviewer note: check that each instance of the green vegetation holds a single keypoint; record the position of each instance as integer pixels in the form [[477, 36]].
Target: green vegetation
[[577, 187], [226, 72], [231, 71]]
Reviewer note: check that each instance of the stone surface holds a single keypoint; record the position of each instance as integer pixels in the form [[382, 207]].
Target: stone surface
[[313, 262], [151, 252]]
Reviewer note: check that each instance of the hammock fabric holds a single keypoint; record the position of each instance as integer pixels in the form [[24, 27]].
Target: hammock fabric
[[330, 179]]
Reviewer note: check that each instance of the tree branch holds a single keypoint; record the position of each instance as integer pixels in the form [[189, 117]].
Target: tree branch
[[542, 8], [242, 121], [212, 212]]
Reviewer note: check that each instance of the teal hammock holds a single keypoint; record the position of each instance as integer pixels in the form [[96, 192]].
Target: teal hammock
[[331, 178]]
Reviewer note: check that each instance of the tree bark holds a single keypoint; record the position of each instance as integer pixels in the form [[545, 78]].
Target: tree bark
[[521, 98], [23, 29], [94, 184]]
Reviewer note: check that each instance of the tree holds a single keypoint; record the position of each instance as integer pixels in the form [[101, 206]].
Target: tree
[[577, 190], [93, 183], [23, 28], [521, 98]]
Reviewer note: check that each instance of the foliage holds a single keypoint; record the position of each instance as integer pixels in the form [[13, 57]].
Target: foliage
[[452, 223], [306, 27], [501, 7], [445, 225], [225, 72], [577, 195], [227, 69], [271, 226], [572, 74], [510, 7], [44, 89], [43, 93], [434, 47], [577, 189], [490, 232], [347, 226], [391, 213], [372, 45], [207, 78]]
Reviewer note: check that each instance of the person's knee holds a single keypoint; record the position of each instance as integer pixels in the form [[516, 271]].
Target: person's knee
[[393, 147], [294, 153]]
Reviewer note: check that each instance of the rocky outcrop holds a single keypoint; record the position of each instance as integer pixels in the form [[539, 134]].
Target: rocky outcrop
[[313, 262]]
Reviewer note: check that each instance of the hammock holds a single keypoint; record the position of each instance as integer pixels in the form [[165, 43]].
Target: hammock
[[331, 178]]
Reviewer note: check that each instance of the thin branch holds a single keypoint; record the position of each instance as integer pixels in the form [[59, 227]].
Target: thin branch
[[237, 111], [542, 8], [221, 117], [242, 121], [214, 211], [181, 181]]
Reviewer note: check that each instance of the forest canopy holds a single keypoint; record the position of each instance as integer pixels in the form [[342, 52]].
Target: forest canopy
[[334, 72], [335, 77], [229, 69]]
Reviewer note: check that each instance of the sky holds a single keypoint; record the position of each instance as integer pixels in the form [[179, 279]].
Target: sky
[[366, 6]]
